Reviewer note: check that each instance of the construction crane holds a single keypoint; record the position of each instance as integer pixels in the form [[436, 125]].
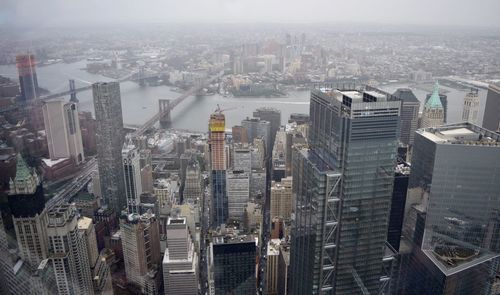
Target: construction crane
[[219, 110]]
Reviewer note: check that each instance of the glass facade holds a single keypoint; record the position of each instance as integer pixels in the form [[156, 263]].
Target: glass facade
[[354, 133], [456, 180]]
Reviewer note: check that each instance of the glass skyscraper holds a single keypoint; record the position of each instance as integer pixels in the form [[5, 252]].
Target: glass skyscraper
[[455, 179], [343, 187]]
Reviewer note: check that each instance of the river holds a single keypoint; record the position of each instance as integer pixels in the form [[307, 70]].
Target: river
[[140, 103]]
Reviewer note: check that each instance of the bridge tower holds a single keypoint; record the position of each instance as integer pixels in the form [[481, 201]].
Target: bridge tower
[[142, 80], [164, 110], [72, 90]]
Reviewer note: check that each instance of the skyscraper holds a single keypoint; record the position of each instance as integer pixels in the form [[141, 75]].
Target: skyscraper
[[180, 262], [62, 127], [217, 142], [343, 188], [27, 206], [271, 115], [410, 107], [132, 175], [281, 198], [402, 173], [433, 114], [193, 191], [141, 251], [443, 98], [455, 179], [109, 137], [231, 263], [238, 193], [471, 107], [259, 128], [491, 118], [28, 81], [68, 252]]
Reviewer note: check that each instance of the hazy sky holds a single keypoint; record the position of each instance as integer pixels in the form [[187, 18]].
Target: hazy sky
[[420, 12]]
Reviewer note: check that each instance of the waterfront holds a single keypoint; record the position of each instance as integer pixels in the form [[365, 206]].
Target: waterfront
[[140, 103]]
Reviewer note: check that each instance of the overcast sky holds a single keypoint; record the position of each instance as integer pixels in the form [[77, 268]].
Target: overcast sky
[[484, 13]]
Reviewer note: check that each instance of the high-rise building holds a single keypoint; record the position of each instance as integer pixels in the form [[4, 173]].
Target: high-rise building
[[257, 128], [343, 189], [141, 251], [132, 175], [283, 264], [27, 206], [491, 118], [433, 114], [180, 261], [402, 173], [99, 268], [281, 198], [443, 98], [471, 107], [68, 251], [238, 193], [410, 107], [193, 190], [279, 156], [217, 142], [273, 116], [454, 180], [108, 113], [62, 127], [26, 66], [231, 264], [242, 157], [239, 134]]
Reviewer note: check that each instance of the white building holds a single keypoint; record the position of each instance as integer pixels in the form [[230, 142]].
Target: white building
[[471, 107], [180, 261], [68, 251], [238, 193], [62, 127]]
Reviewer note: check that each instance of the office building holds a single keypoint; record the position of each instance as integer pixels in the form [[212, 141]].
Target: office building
[[281, 198], [238, 193], [109, 137], [62, 127], [68, 251], [231, 264], [410, 107], [491, 118], [272, 270], [257, 128], [343, 188], [273, 116], [239, 134], [398, 202], [101, 275], [471, 107], [141, 251], [242, 157], [193, 190], [132, 175], [217, 142], [442, 98], [279, 156], [283, 264], [434, 112], [180, 261], [457, 249], [29, 216], [26, 67]]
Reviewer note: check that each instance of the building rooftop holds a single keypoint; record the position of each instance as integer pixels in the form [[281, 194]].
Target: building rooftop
[[405, 94], [461, 133], [434, 101], [84, 223], [273, 247]]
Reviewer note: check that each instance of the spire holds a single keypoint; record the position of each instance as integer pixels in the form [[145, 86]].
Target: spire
[[434, 101], [22, 169]]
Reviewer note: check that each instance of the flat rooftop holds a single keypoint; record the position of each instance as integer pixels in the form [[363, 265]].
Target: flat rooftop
[[461, 133]]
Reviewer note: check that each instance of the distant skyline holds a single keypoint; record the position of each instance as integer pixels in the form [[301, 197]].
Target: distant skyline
[[482, 13]]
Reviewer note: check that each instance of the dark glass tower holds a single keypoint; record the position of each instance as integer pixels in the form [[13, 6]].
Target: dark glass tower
[[455, 180], [491, 118], [343, 186], [409, 114], [27, 76], [110, 137]]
